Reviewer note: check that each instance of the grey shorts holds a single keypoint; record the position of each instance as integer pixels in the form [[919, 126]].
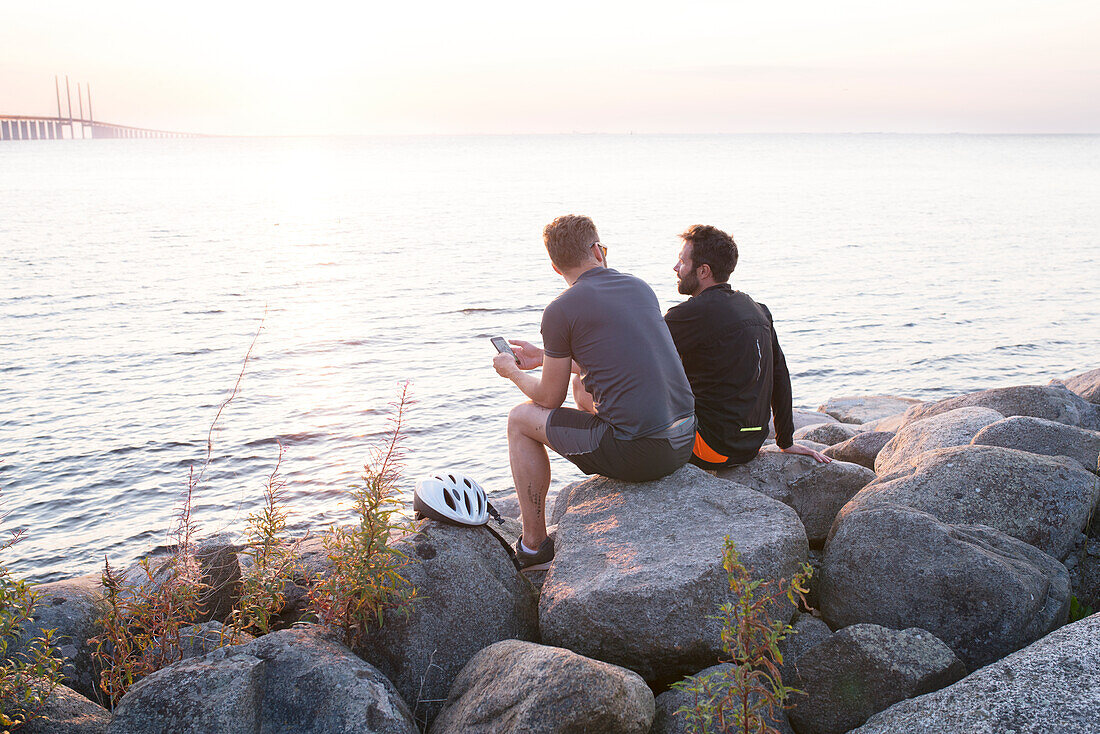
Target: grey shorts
[[590, 443]]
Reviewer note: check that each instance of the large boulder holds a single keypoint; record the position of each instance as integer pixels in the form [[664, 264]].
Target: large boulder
[[827, 433], [866, 408], [952, 428], [861, 448], [667, 721], [1052, 402], [1050, 687], [1039, 436], [1087, 385], [67, 712], [1041, 500], [73, 608], [980, 591], [802, 418], [296, 681], [515, 687], [864, 669], [816, 491], [471, 595], [638, 569]]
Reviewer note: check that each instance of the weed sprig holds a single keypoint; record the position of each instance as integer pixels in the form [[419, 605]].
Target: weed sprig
[[744, 696]]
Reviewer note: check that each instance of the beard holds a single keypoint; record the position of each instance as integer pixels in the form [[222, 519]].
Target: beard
[[688, 284]]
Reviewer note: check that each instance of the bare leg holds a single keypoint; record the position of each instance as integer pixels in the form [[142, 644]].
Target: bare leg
[[530, 468], [582, 397]]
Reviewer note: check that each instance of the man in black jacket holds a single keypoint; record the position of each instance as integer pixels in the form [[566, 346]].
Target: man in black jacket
[[731, 355]]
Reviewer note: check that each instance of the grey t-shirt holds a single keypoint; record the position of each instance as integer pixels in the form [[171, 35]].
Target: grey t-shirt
[[611, 324]]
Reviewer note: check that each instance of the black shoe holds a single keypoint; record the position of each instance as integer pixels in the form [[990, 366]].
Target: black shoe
[[537, 561]]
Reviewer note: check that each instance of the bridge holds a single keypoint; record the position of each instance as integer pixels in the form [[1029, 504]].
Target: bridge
[[68, 127]]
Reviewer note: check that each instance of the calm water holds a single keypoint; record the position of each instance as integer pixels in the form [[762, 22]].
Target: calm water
[[133, 275]]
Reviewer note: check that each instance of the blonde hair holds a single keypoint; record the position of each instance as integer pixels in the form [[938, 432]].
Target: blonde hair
[[568, 238]]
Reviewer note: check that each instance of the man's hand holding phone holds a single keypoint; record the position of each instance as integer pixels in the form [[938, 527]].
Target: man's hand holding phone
[[527, 354]]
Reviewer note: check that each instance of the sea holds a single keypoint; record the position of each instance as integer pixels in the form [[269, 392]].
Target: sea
[[136, 276]]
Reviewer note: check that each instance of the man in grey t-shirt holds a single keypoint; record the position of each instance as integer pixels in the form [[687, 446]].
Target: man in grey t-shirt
[[635, 411]]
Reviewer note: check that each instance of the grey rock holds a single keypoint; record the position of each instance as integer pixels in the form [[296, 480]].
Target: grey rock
[[199, 639], [802, 418], [827, 433], [296, 681], [667, 721], [809, 632], [67, 712], [1084, 576], [471, 596], [1052, 402], [981, 592], [1050, 687], [864, 669], [73, 608], [1041, 500], [638, 568], [523, 688], [951, 428], [866, 408], [816, 491], [1039, 436], [1086, 384], [861, 448], [561, 501], [890, 424]]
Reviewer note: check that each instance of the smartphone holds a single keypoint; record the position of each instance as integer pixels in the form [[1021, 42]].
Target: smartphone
[[504, 347]]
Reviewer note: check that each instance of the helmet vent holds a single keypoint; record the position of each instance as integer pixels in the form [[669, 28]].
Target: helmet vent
[[450, 500]]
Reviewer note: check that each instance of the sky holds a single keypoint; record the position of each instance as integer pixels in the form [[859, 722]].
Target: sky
[[691, 66]]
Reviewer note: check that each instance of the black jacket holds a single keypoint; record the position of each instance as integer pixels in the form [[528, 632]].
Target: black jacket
[[736, 369]]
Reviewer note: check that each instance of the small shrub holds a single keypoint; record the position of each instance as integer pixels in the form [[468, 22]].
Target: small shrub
[[743, 697], [145, 616], [364, 583], [273, 559], [27, 678]]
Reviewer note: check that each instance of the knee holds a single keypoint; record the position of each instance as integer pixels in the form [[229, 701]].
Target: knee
[[517, 418]]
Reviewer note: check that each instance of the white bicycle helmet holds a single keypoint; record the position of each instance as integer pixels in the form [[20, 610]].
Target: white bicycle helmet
[[453, 498]]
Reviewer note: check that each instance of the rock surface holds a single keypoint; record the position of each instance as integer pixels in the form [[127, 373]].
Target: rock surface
[[638, 568], [471, 596], [809, 632], [67, 712], [864, 669], [1052, 402], [827, 433], [219, 569], [296, 681], [951, 428], [1050, 687], [1087, 385], [866, 408], [666, 720], [815, 491], [802, 418], [861, 448], [1041, 500], [1039, 436], [981, 592], [72, 607], [514, 687]]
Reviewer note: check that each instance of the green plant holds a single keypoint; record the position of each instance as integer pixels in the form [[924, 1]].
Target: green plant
[[146, 615], [272, 559], [364, 583], [1077, 610], [743, 696], [29, 676]]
